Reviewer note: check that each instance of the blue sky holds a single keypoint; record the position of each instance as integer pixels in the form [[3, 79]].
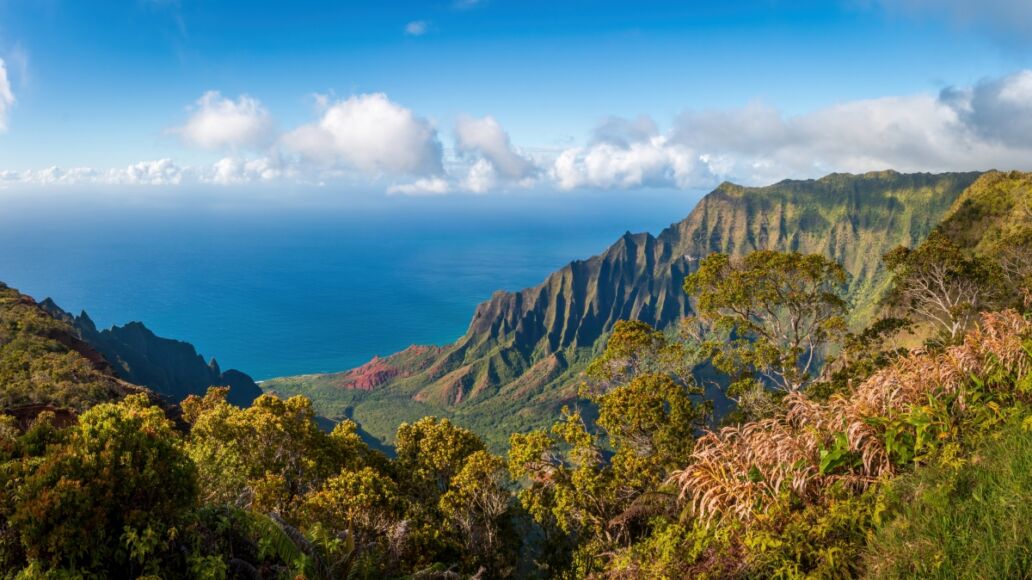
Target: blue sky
[[465, 95]]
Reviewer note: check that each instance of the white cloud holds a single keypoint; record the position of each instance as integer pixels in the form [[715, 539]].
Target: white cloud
[[481, 177], [372, 135], [6, 96], [426, 186], [654, 162], [416, 28], [157, 172], [988, 125], [220, 123], [623, 132], [369, 138], [236, 171], [485, 137], [979, 127]]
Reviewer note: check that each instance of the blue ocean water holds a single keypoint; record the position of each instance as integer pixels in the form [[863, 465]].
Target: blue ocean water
[[275, 288]]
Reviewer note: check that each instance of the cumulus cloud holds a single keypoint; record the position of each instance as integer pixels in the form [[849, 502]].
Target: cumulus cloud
[[368, 137], [416, 28], [653, 162], [371, 134], [6, 96], [426, 186], [481, 177], [998, 110], [486, 138], [219, 123], [988, 125], [237, 171], [980, 127]]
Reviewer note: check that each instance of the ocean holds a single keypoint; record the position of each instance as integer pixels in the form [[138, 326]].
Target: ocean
[[279, 286]]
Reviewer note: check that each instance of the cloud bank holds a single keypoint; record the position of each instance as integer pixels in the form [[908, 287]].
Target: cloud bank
[[988, 125], [368, 138]]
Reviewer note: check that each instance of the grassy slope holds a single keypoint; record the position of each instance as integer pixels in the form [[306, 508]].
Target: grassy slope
[[966, 522], [42, 362], [519, 361]]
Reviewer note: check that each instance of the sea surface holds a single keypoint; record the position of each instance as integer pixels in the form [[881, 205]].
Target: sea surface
[[278, 287]]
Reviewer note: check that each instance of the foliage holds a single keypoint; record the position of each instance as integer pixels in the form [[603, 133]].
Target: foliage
[[40, 363], [938, 283], [899, 415], [635, 348], [884, 464], [111, 497], [476, 503], [593, 488], [268, 456], [967, 520], [430, 452], [771, 315]]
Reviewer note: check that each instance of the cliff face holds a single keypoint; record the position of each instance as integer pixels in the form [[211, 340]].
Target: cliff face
[[171, 368], [517, 361]]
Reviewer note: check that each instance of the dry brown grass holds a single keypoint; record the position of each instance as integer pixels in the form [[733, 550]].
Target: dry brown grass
[[738, 470]]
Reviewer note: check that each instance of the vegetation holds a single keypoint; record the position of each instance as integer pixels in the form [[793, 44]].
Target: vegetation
[[865, 458], [43, 363], [526, 350]]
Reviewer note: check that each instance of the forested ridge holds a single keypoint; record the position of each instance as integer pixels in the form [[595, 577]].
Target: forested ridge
[[525, 350], [895, 447]]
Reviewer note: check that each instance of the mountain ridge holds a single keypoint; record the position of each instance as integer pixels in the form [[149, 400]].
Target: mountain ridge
[[517, 363], [167, 366]]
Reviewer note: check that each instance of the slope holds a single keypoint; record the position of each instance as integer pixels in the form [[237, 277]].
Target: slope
[[518, 362]]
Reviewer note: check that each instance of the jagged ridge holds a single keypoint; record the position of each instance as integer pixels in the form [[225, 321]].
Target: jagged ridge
[[516, 362], [170, 367]]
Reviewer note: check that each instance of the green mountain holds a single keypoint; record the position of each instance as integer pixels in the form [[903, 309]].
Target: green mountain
[[519, 361], [169, 367], [997, 206], [44, 365]]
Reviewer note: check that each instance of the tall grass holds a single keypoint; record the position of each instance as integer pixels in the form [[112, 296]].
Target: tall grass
[[969, 522]]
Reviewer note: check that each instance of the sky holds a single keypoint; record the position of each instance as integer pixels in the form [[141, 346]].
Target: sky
[[453, 97]]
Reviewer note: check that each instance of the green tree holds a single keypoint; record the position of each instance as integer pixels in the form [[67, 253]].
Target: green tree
[[578, 492], [635, 348], [430, 452], [477, 504], [110, 500], [940, 284], [1013, 253], [364, 504], [770, 315], [268, 456]]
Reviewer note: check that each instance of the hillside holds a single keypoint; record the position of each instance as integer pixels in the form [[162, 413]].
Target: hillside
[[170, 367], [996, 206], [44, 364], [518, 362]]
